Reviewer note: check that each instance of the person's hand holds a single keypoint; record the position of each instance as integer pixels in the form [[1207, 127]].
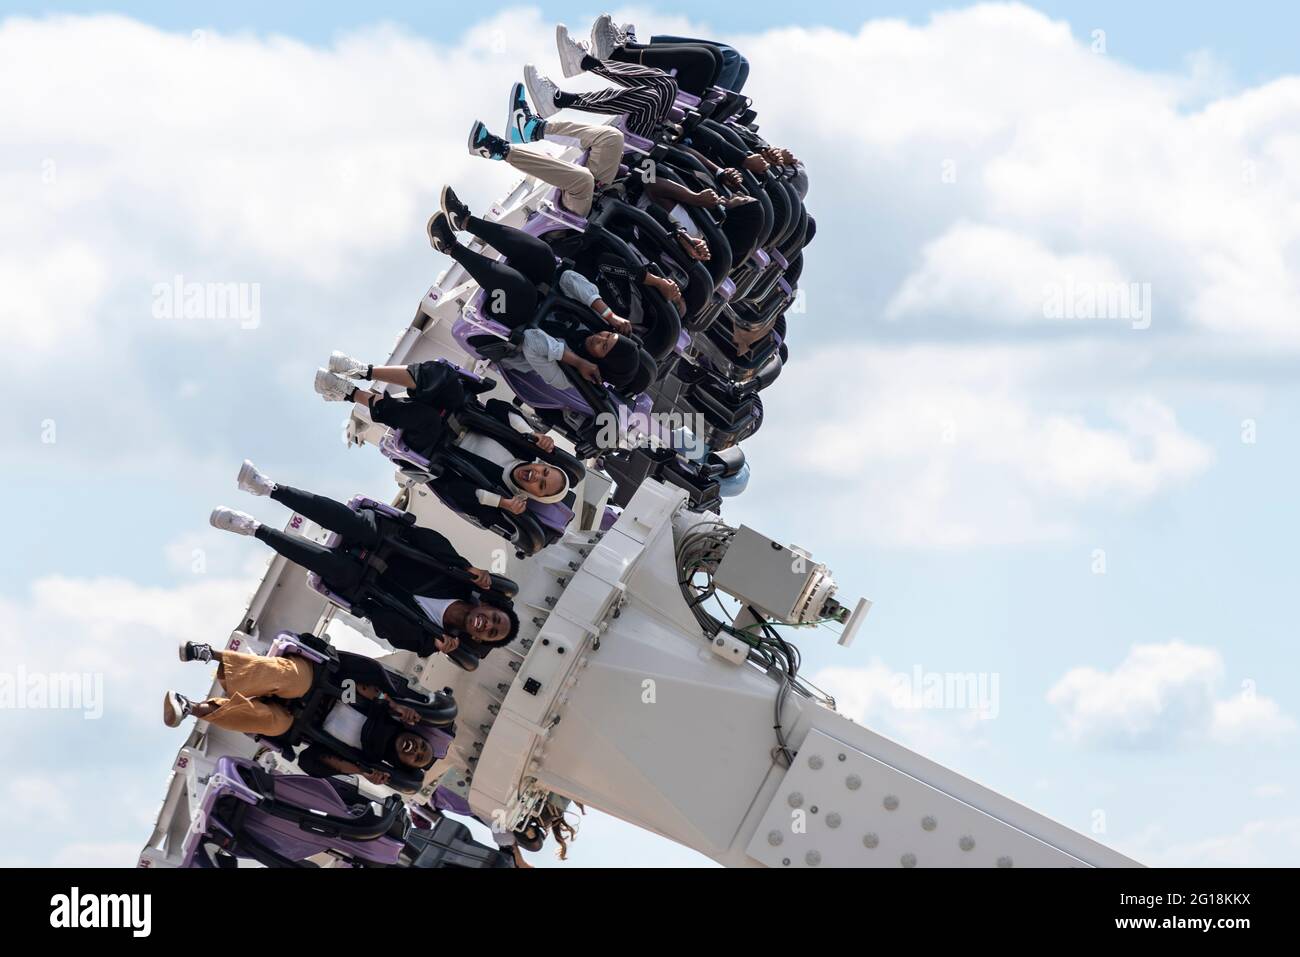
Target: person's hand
[[446, 644], [755, 163], [588, 370], [669, 289], [516, 505], [377, 777], [731, 177], [620, 325], [369, 692], [480, 577], [695, 248], [544, 442], [739, 199], [709, 197], [404, 713]]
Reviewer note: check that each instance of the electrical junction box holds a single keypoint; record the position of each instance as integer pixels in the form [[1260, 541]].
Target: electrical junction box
[[781, 582]]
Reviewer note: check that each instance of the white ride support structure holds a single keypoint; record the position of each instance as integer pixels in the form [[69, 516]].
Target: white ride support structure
[[616, 696]]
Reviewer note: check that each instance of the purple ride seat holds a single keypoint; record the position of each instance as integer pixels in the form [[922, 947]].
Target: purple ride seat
[[332, 540], [284, 837]]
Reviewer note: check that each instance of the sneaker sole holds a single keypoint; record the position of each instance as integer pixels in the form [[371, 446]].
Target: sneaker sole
[[170, 718], [244, 481], [183, 651]]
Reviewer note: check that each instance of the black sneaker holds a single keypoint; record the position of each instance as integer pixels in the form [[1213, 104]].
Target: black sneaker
[[194, 651], [441, 237], [457, 212]]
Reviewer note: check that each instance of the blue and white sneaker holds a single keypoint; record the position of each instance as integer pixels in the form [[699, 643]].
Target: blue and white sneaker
[[524, 127], [483, 142], [542, 91]]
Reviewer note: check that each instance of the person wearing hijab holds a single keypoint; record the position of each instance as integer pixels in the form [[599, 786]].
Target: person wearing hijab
[[435, 389]]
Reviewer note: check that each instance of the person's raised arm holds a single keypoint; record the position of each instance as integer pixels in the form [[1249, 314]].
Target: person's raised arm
[[581, 289]]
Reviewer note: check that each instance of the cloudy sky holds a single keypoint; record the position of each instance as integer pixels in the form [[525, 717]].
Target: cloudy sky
[[1097, 511]]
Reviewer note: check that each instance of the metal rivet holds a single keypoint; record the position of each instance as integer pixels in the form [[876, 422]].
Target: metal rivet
[[1004, 862], [853, 782], [870, 840], [785, 861], [815, 762], [928, 823], [891, 803], [843, 756], [908, 860], [832, 820], [775, 838], [813, 858], [967, 843], [795, 799]]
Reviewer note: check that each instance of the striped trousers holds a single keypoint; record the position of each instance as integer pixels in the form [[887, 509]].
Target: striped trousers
[[646, 96]]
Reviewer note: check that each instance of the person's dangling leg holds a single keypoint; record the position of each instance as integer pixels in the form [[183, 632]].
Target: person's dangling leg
[[526, 253], [256, 676], [646, 114], [604, 145], [245, 715], [646, 96], [336, 568], [328, 513], [511, 297], [575, 183]]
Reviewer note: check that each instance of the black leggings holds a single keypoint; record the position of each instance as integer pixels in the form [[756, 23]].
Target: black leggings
[[420, 416], [335, 566], [697, 65], [510, 287]]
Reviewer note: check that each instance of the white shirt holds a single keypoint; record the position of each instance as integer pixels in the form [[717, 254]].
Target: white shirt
[[344, 723], [496, 453], [435, 608]]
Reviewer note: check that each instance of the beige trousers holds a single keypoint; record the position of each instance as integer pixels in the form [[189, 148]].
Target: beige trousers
[[577, 184]]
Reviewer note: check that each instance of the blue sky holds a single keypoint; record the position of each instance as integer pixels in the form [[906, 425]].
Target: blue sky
[[979, 551]]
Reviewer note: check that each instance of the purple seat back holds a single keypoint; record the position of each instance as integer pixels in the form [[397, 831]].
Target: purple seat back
[[283, 837]]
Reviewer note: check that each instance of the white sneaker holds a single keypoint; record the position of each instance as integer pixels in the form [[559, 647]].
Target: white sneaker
[[541, 91], [605, 38], [332, 388], [176, 708], [571, 51], [626, 34], [252, 481], [348, 367], [232, 520]]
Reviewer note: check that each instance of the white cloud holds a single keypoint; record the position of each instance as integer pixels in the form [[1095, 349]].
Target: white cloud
[[1090, 165], [1162, 696], [943, 446], [1270, 842], [123, 632], [892, 703]]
